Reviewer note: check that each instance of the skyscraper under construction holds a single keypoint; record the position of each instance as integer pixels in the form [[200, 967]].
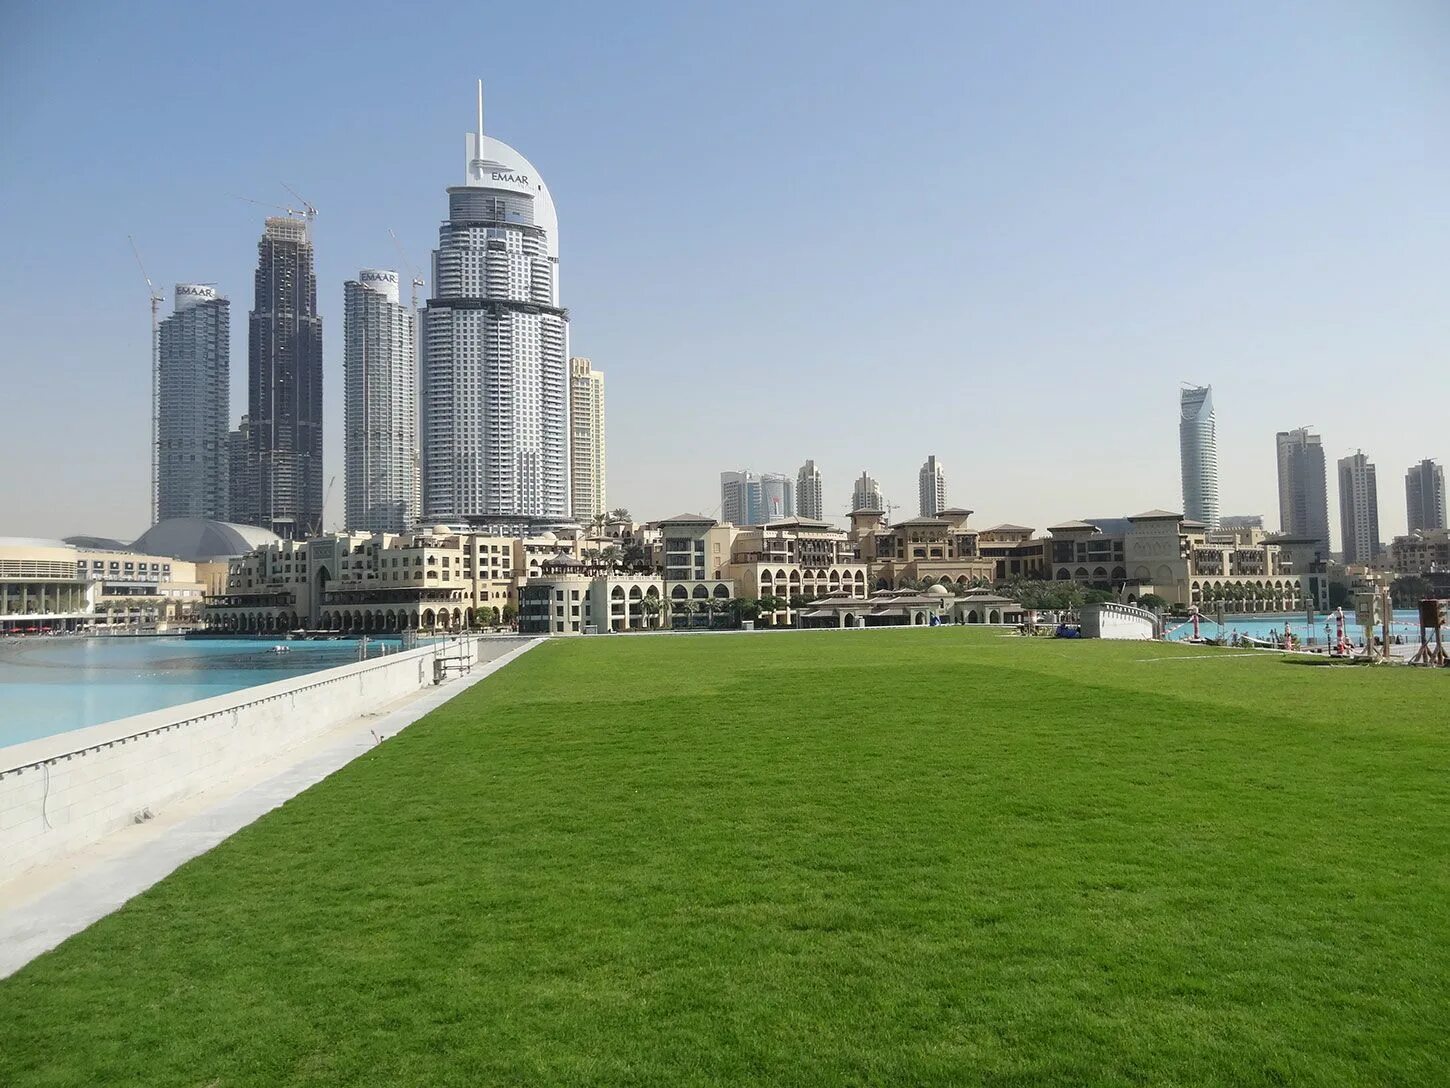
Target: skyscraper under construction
[[282, 470]]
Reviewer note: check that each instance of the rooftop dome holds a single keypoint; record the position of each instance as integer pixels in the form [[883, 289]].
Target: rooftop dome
[[938, 590], [199, 539], [97, 543]]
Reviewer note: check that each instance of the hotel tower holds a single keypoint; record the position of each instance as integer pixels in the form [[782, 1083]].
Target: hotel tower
[[495, 351], [380, 405]]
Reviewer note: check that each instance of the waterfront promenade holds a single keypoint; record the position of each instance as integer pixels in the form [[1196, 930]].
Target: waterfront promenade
[[54, 885]]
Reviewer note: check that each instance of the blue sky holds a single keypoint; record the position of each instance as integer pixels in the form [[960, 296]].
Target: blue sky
[[861, 233]]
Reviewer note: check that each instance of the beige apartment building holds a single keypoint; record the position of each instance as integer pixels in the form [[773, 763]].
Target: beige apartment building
[[1423, 551], [381, 582], [794, 560], [940, 549], [571, 597], [1178, 559]]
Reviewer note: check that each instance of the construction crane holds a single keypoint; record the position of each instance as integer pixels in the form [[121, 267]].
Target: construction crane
[[326, 495], [408, 265], [309, 213], [155, 384], [293, 212]]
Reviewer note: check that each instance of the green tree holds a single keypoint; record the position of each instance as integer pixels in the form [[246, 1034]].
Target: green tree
[[510, 613], [1408, 590], [636, 559], [767, 605], [1153, 602], [650, 606], [744, 608], [1098, 596]]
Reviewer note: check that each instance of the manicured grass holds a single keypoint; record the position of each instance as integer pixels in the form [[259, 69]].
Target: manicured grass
[[904, 857]]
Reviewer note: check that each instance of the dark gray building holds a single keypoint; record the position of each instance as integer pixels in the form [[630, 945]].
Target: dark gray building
[[1303, 494], [1425, 496], [242, 482], [280, 485], [193, 399]]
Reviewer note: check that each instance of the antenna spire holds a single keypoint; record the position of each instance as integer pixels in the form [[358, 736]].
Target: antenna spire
[[480, 118]]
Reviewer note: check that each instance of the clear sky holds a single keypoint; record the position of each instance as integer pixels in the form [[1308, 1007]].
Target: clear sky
[[857, 232]]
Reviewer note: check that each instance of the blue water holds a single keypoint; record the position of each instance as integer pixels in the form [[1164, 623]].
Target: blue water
[[1406, 622], [50, 685]]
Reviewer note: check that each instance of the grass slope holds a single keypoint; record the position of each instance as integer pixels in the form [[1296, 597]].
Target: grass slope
[[934, 856]]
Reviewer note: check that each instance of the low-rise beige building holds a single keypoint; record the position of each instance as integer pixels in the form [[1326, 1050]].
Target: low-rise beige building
[[795, 561], [1178, 559], [53, 586], [924, 550], [570, 597], [381, 582], [1424, 551]]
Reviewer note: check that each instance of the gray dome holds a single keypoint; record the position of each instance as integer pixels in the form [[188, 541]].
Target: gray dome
[[198, 539], [97, 543]]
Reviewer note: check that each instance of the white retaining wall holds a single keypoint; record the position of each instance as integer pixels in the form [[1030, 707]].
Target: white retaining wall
[[63, 791], [1119, 621]]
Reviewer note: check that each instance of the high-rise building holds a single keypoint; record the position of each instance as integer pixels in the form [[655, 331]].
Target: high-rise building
[[777, 498], [748, 499], [193, 405], [931, 488], [283, 467], [739, 495], [242, 480], [495, 373], [866, 495], [1198, 454], [586, 441], [380, 405], [808, 493], [1359, 510], [1425, 496], [1303, 494]]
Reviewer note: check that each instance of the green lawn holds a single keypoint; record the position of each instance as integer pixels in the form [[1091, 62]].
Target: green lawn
[[898, 857]]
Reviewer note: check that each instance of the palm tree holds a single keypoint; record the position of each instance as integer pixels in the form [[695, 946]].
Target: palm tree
[[611, 557], [650, 606]]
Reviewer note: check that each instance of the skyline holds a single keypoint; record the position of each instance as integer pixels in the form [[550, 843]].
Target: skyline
[[1285, 249]]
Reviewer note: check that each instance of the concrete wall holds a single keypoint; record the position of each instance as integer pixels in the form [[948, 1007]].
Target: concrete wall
[[61, 792], [1120, 621]]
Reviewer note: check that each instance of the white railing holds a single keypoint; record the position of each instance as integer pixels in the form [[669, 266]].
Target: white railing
[[60, 792]]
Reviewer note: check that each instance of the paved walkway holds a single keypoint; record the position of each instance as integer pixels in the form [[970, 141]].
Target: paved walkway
[[44, 906]]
